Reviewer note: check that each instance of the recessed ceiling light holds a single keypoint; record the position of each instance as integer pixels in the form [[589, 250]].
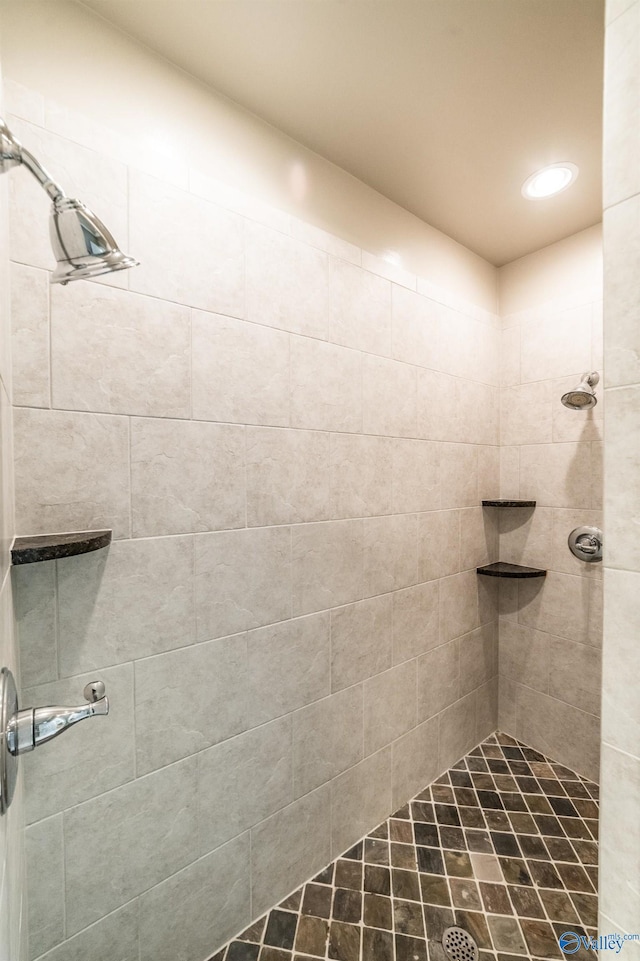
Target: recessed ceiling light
[[549, 181]]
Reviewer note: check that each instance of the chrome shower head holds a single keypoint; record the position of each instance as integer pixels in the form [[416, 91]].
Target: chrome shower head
[[583, 396], [82, 245]]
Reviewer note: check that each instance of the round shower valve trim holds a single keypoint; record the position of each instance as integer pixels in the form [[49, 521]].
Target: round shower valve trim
[[585, 543]]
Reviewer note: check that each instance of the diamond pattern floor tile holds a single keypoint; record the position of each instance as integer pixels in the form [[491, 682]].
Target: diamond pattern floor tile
[[503, 845]]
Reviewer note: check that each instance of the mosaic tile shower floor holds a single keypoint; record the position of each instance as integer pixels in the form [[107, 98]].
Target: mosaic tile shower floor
[[504, 844]]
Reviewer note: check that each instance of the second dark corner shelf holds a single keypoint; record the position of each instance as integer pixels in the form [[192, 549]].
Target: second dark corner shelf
[[503, 568]]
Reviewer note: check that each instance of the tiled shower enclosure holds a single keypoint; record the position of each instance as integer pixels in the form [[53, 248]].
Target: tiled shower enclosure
[[290, 439]]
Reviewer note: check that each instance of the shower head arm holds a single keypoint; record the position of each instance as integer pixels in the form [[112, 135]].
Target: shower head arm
[[12, 153], [43, 177]]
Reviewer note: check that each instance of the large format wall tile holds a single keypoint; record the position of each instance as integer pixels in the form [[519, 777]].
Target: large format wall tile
[[556, 475], [327, 739], [244, 780], [290, 847], [360, 309], [361, 641], [390, 706], [414, 761], [30, 336], [243, 580], [621, 103], [478, 537], [288, 667], [438, 679], [35, 607], [459, 604], [478, 657], [134, 600], [526, 413], [45, 885], [206, 686], [623, 485], [288, 476], [72, 471], [524, 655], [7, 520], [390, 553], [115, 935], [327, 565], [559, 345], [358, 797], [186, 476], [459, 475], [362, 473], [457, 729], [416, 476], [620, 704], [558, 605], [144, 831], [326, 386], [389, 397], [287, 283], [211, 898], [120, 353], [240, 371], [438, 544], [619, 897], [559, 729], [622, 290], [416, 621], [199, 261], [416, 328], [575, 674]]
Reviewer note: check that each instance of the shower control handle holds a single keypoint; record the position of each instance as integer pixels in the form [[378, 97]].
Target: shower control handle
[[22, 731], [585, 543], [588, 544], [36, 725]]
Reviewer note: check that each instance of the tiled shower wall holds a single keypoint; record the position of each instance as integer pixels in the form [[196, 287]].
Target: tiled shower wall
[[620, 846], [12, 883], [290, 439], [551, 629]]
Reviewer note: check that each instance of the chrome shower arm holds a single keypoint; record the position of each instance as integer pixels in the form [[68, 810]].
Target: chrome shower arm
[[12, 153], [45, 180]]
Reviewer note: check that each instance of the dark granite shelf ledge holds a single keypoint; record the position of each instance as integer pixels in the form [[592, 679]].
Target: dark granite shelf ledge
[[508, 503], [49, 547], [502, 569]]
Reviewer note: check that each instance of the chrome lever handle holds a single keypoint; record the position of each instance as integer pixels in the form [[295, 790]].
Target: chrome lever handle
[[21, 731], [33, 726]]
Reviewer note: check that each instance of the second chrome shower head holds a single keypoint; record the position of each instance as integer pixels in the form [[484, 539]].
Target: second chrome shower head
[[583, 396]]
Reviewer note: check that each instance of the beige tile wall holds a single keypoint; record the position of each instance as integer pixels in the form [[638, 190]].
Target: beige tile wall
[[551, 630], [290, 439], [620, 817], [13, 933]]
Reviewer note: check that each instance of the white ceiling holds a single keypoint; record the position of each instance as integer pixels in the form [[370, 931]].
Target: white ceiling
[[444, 106]]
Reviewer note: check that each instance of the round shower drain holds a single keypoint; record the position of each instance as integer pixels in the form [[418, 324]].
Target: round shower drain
[[459, 945]]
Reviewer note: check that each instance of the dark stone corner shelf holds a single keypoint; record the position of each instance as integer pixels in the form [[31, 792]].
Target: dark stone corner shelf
[[502, 502], [49, 547], [502, 569]]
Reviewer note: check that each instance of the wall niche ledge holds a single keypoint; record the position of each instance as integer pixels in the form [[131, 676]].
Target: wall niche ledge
[[50, 547]]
